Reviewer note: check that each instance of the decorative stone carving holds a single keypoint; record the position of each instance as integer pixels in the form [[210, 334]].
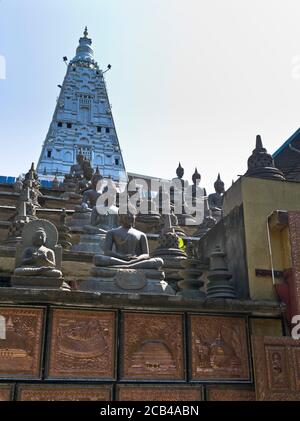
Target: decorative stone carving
[[6, 391], [21, 342], [219, 348], [152, 347], [38, 258], [230, 393], [261, 164], [219, 285], [155, 393], [276, 368], [26, 206], [82, 345], [50, 392]]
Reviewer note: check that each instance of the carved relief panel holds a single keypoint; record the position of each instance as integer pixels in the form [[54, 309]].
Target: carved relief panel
[[21, 339], [230, 393], [156, 393], [82, 344], [42, 392], [218, 348], [152, 346], [6, 392], [276, 368]]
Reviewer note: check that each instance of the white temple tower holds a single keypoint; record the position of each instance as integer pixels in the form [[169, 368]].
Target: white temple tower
[[83, 121]]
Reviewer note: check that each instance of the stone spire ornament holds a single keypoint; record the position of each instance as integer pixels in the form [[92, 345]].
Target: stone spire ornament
[[64, 232], [261, 164], [26, 207], [190, 286], [219, 285]]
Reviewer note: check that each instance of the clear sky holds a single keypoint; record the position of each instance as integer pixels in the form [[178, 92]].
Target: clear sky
[[191, 80]]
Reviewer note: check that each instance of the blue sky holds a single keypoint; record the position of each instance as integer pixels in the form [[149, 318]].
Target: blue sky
[[191, 80]]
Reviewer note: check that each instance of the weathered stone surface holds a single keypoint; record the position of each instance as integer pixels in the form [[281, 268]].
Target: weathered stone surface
[[219, 348], [276, 368], [44, 392], [266, 327], [28, 296], [230, 393], [6, 391], [82, 344], [155, 393], [294, 229], [20, 342], [152, 346]]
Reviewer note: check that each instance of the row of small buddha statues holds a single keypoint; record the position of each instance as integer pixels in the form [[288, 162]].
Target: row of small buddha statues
[[124, 260]]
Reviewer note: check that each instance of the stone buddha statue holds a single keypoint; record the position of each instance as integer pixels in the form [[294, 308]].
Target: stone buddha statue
[[38, 258], [127, 247], [215, 200], [126, 264]]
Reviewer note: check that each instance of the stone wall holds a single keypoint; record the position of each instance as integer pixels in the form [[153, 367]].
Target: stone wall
[[57, 345]]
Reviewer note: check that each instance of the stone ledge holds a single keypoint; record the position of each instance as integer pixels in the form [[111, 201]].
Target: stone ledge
[[12, 296]]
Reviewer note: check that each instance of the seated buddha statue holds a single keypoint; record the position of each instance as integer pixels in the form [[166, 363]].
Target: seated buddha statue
[[37, 259], [215, 200], [125, 247]]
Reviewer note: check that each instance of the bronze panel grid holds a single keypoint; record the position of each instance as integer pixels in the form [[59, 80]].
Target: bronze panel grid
[[21, 342], [230, 393], [219, 348], [6, 392], [82, 344], [154, 393], [50, 392], [152, 346], [276, 368]]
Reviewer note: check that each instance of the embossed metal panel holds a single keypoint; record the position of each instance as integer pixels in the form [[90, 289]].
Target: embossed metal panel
[[159, 393], [6, 391], [82, 344], [229, 393], [21, 338], [276, 368], [152, 347], [218, 348], [42, 392]]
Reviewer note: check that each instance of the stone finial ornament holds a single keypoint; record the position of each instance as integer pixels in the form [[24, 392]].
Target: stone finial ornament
[[219, 285], [261, 164]]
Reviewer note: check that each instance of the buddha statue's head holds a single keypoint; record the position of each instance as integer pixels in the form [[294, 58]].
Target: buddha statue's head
[[39, 237], [219, 185]]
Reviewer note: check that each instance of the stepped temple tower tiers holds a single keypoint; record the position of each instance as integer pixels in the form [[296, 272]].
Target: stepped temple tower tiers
[[82, 121]]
